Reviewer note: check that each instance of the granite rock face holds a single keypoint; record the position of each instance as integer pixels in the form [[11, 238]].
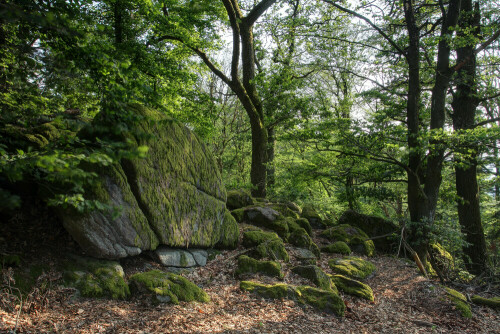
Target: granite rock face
[[174, 196]]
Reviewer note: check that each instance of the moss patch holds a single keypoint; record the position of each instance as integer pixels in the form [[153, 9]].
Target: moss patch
[[256, 237], [460, 302], [239, 215], [490, 302], [230, 232], [300, 238], [96, 278], [338, 247], [310, 213], [356, 239], [353, 287], [353, 267], [315, 275], [247, 265], [327, 301], [239, 198], [274, 250], [167, 287]]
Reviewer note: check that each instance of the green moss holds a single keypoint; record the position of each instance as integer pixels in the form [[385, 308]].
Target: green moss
[[353, 287], [247, 265], [239, 215], [353, 267], [338, 247], [300, 238], [240, 198], [356, 239], [95, 278], [26, 278], [460, 302], [443, 260], [277, 291], [310, 213], [256, 237], [315, 275], [274, 249], [490, 302], [284, 210], [167, 287], [304, 223], [230, 232], [326, 301]]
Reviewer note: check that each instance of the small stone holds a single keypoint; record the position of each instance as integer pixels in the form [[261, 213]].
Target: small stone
[[175, 257], [200, 256], [302, 254]]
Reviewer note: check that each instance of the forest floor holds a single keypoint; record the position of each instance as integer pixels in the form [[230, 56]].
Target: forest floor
[[405, 301]]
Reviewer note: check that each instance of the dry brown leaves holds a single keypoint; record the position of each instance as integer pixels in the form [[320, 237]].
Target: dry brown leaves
[[405, 303]]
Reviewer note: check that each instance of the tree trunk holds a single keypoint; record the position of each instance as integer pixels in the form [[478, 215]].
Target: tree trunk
[[464, 110], [271, 145], [118, 21]]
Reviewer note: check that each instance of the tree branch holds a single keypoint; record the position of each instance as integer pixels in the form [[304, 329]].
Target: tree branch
[[479, 49], [258, 10], [367, 20]]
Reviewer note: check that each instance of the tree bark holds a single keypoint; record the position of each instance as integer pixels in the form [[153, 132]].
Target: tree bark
[[464, 110]]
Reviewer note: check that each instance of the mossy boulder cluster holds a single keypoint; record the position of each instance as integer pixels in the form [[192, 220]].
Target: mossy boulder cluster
[[351, 266], [357, 240], [327, 301], [174, 196], [105, 279]]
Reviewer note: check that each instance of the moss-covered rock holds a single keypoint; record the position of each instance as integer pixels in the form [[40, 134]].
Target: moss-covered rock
[[310, 213], [315, 275], [300, 238], [174, 196], [460, 302], [96, 278], [356, 239], [353, 287], [353, 267], [268, 218], [239, 198], [373, 226], [274, 250], [490, 302], [268, 245], [338, 247], [247, 265], [294, 207], [327, 301], [239, 215], [276, 291], [254, 238], [304, 223], [230, 232], [284, 210], [167, 287]]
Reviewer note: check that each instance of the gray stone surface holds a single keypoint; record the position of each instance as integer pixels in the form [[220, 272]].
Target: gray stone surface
[[200, 256], [175, 257], [302, 254]]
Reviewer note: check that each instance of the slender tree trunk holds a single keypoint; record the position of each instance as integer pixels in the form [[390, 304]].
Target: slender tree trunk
[[118, 21], [464, 110], [271, 145]]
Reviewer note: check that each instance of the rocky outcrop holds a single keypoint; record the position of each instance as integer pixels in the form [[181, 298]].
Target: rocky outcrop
[[174, 196], [356, 239], [377, 228]]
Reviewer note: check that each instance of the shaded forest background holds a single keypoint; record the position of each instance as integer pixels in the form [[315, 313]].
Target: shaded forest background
[[390, 108]]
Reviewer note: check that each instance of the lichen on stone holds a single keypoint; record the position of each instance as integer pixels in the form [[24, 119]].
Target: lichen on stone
[[248, 265], [353, 287], [338, 247], [167, 287], [353, 267]]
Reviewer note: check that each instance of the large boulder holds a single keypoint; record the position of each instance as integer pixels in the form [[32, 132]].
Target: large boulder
[[174, 196], [377, 228]]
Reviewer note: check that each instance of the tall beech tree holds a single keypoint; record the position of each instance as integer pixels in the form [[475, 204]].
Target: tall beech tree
[[465, 102], [242, 83]]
